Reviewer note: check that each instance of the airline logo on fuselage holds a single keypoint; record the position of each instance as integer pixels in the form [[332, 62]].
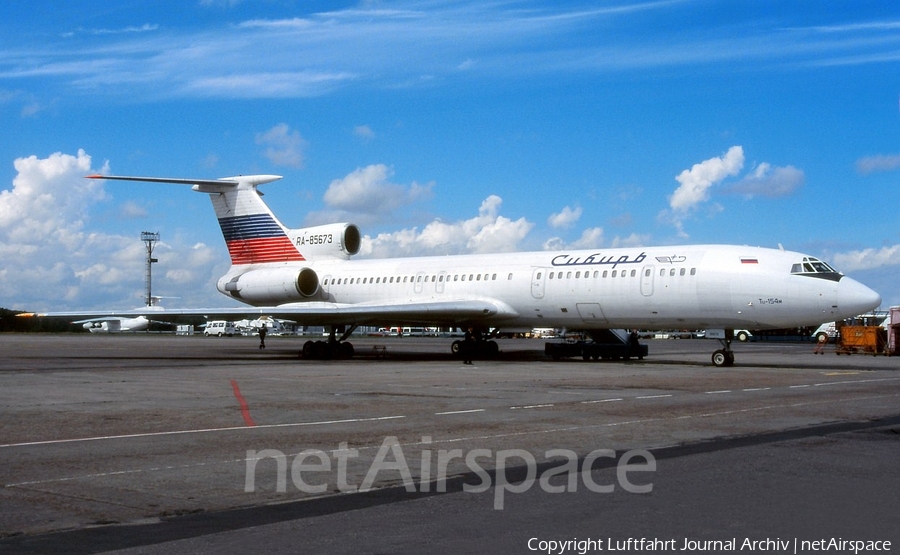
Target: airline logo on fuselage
[[257, 238], [596, 259]]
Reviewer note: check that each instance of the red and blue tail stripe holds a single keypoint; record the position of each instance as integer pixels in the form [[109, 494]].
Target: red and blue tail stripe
[[257, 238]]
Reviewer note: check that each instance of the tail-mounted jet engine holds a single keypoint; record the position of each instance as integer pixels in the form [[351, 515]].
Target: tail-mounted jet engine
[[327, 241], [271, 286]]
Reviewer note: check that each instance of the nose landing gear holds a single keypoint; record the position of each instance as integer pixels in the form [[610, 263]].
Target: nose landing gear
[[725, 356]]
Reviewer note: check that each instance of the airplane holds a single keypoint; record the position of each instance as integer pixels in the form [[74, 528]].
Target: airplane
[[114, 324], [309, 275], [123, 323]]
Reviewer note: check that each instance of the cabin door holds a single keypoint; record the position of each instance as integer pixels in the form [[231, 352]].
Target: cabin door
[[537, 282]]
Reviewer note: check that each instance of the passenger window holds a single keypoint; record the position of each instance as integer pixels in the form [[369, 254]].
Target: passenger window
[[693, 271], [614, 273], [681, 272], [605, 273], [672, 272], [647, 272], [634, 273]]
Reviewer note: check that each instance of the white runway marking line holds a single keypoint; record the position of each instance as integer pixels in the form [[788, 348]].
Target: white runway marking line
[[200, 431], [532, 406], [718, 392], [757, 389], [602, 401], [458, 412], [654, 396], [856, 381]]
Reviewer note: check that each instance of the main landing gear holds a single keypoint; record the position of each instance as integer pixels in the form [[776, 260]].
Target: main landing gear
[[478, 346], [725, 356], [331, 349]]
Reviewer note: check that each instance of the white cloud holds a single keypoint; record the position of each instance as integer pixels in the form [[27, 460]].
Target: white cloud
[[364, 132], [695, 182], [284, 147], [867, 259], [370, 45], [565, 217], [52, 259], [48, 199], [132, 210], [484, 233], [367, 195], [591, 238], [767, 181], [880, 163]]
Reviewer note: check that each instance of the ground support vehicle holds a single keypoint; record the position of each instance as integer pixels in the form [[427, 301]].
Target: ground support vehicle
[[862, 339], [590, 350]]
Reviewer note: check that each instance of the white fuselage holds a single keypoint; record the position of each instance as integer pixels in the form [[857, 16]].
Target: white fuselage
[[681, 287], [139, 323]]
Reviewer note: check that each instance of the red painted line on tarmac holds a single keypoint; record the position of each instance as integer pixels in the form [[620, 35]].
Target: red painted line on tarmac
[[245, 409]]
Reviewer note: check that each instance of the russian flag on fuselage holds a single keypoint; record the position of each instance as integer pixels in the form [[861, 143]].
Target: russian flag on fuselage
[[257, 238]]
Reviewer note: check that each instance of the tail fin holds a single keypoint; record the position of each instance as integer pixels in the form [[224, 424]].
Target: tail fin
[[252, 233]]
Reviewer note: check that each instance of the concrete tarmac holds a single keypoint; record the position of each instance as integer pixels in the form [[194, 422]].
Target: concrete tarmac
[[159, 444]]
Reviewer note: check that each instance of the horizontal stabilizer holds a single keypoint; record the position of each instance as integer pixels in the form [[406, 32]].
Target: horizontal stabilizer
[[237, 180]]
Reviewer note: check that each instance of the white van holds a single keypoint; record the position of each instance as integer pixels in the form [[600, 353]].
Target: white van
[[825, 332], [219, 328]]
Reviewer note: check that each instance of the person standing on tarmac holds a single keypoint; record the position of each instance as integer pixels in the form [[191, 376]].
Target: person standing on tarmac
[[468, 346], [262, 336]]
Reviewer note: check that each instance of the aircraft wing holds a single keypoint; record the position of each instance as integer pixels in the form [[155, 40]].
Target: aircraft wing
[[446, 312]]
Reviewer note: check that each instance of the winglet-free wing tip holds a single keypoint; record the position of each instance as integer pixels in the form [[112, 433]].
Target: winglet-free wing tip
[[94, 176]]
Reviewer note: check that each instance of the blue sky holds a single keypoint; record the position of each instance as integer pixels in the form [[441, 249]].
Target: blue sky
[[443, 127]]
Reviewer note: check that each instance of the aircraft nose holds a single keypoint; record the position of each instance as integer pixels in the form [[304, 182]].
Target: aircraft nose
[[855, 298]]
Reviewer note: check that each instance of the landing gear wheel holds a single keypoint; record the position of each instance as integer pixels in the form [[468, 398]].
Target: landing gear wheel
[[722, 358], [307, 350], [492, 349], [345, 349]]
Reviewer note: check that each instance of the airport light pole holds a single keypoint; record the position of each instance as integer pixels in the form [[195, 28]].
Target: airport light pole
[[150, 238]]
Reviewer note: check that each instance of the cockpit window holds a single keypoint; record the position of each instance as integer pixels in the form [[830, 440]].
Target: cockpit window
[[815, 268]]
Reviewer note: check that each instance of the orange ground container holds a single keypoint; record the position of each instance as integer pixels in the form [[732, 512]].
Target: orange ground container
[[862, 339]]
